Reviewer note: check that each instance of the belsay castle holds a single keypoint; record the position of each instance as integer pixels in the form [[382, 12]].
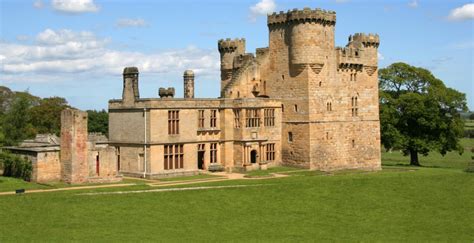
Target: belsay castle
[[301, 101]]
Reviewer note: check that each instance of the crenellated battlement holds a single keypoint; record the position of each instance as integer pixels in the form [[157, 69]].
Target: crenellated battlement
[[302, 16], [230, 45], [368, 40]]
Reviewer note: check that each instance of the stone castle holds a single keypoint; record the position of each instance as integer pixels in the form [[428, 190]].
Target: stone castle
[[301, 101]]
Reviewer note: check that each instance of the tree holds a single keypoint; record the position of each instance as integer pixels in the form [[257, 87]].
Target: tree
[[46, 117], [98, 121], [418, 113], [16, 125], [471, 116]]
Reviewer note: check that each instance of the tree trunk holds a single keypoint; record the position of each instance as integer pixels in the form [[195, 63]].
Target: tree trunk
[[414, 158]]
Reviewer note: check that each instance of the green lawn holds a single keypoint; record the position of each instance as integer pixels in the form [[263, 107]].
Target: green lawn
[[399, 203], [434, 159]]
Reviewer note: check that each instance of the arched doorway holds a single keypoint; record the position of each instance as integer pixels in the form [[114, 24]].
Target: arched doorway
[[253, 156]]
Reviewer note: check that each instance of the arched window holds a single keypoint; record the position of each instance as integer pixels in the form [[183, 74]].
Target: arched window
[[354, 106]]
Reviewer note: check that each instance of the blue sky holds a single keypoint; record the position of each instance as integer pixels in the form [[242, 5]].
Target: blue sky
[[77, 48]]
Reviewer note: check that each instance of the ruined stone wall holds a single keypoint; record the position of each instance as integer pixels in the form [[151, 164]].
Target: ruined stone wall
[[74, 156], [47, 167]]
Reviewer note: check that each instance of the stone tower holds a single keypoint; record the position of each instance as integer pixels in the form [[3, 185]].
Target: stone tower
[[188, 88], [130, 85], [74, 166], [329, 94], [228, 50]]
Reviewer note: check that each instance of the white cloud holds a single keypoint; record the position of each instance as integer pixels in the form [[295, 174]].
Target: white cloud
[[38, 4], [74, 6], [66, 54], [22, 37], [263, 7], [138, 22], [380, 56], [413, 4], [464, 12]]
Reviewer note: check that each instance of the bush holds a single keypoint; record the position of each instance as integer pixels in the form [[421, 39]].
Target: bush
[[15, 166], [469, 133], [216, 168]]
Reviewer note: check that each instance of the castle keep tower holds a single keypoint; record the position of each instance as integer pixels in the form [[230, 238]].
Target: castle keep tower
[[229, 49], [130, 85], [74, 166], [188, 84], [329, 94]]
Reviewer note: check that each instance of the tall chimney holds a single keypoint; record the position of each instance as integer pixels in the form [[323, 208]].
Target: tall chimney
[[130, 85], [188, 84]]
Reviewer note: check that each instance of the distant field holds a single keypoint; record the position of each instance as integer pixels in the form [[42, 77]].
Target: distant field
[[399, 203]]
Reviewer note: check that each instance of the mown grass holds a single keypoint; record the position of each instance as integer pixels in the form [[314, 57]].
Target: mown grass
[[434, 159], [268, 172], [187, 178], [428, 204], [399, 203]]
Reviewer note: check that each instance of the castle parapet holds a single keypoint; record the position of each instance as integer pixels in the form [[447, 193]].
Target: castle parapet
[[302, 16], [348, 57], [368, 40], [230, 45]]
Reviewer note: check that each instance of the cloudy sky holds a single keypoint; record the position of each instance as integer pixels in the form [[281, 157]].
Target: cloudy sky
[[78, 48]]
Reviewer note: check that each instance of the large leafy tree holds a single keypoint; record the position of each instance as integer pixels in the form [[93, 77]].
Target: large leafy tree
[[418, 113], [16, 122], [98, 121], [46, 117]]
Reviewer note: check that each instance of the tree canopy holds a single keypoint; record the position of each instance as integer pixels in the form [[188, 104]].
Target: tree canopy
[[418, 113], [98, 121]]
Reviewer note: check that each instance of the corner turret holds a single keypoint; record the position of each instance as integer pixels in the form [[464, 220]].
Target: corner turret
[[228, 49]]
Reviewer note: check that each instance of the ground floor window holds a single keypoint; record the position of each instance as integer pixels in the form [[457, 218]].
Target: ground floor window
[[174, 156], [213, 151], [270, 151]]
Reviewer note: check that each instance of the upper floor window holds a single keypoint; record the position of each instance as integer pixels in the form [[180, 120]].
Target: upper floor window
[[290, 137], [201, 118], [252, 118], [173, 122], [236, 118], [213, 118], [355, 108], [329, 106], [269, 117]]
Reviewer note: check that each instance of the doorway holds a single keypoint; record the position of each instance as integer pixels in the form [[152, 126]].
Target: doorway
[[201, 160], [253, 156]]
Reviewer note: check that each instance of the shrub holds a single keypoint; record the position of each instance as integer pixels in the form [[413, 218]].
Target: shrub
[[15, 166], [216, 168]]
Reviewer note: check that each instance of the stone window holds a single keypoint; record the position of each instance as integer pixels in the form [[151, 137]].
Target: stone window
[[354, 76], [290, 137], [173, 122], [236, 118], [269, 117], [282, 108], [252, 118], [174, 156], [296, 108], [270, 151], [353, 143], [329, 106], [213, 153], [201, 119], [213, 118], [355, 108]]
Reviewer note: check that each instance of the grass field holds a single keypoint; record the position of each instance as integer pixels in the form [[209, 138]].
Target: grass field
[[399, 203]]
